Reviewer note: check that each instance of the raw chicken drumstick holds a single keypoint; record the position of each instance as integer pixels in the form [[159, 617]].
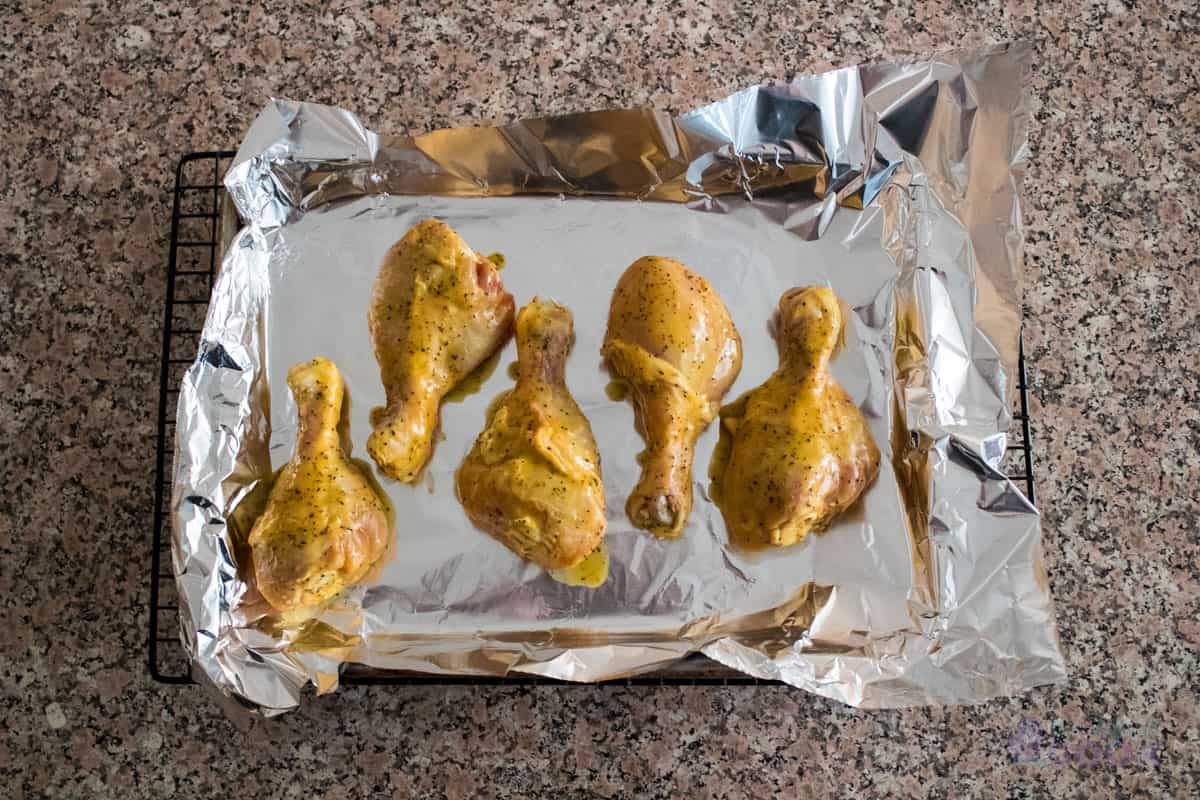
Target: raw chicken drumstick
[[438, 311], [532, 479], [324, 526], [795, 452], [671, 338]]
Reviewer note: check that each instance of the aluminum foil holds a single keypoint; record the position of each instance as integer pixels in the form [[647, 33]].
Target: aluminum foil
[[895, 184]]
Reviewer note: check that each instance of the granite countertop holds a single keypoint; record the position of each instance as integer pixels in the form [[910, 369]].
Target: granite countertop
[[99, 105]]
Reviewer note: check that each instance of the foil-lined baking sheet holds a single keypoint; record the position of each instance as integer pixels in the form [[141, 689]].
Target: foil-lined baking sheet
[[895, 184]]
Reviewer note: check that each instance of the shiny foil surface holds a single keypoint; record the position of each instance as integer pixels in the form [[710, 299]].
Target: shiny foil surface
[[896, 185]]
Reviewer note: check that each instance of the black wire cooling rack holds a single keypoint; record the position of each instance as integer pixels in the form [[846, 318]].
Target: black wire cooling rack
[[202, 222]]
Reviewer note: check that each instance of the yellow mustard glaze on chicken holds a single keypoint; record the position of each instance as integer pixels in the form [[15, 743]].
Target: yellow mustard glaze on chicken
[[438, 310], [532, 478], [672, 341], [324, 526], [794, 452], [591, 572]]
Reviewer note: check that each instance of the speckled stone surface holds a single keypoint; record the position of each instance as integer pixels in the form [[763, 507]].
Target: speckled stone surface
[[100, 100]]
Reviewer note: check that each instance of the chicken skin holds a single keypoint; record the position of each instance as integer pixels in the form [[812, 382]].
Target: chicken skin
[[672, 339], [795, 452], [324, 526], [438, 311], [532, 479]]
